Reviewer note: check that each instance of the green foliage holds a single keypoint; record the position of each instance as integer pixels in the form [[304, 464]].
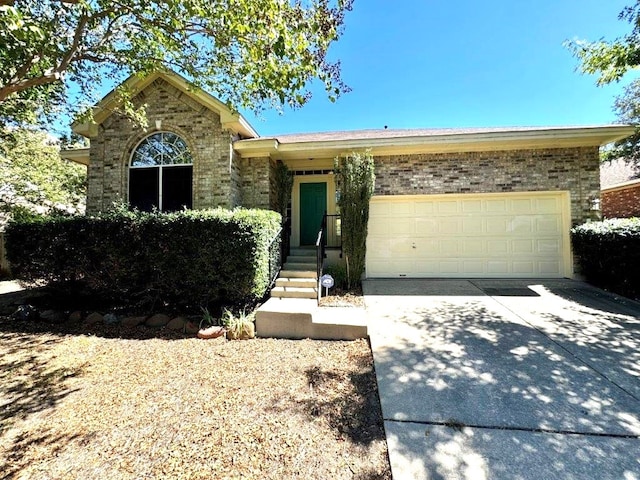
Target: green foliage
[[208, 320], [249, 52], [608, 254], [34, 178], [339, 273], [611, 59], [284, 182], [355, 178], [627, 108], [189, 259]]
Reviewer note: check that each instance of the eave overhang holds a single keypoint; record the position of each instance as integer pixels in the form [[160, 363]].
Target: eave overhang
[[552, 137]]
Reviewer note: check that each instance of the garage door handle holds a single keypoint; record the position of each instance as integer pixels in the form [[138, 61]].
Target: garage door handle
[[413, 245]]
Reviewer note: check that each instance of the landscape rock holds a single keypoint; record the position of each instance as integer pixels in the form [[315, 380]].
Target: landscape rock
[[211, 332], [93, 318], [111, 319], [53, 316], [133, 321], [157, 320], [26, 313], [75, 316], [177, 323]]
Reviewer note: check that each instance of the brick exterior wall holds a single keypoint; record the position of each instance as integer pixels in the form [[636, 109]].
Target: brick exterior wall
[[573, 169], [216, 170], [258, 183], [623, 202]]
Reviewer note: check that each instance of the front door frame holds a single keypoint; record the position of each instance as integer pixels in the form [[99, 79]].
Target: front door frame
[[295, 200]]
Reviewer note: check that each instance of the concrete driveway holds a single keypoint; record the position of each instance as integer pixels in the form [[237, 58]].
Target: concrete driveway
[[516, 379]]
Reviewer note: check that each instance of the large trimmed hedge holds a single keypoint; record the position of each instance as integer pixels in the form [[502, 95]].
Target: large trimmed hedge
[[608, 254], [191, 258]]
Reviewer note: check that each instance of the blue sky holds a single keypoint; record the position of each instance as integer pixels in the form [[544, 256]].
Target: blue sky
[[469, 63]]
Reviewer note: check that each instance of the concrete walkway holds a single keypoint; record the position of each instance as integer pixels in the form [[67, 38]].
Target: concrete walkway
[[506, 379]]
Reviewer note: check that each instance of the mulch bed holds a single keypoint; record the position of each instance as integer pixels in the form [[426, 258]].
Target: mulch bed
[[106, 402]]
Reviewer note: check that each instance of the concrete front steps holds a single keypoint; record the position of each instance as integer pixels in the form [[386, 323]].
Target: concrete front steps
[[293, 311], [298, 278], [298, 318]]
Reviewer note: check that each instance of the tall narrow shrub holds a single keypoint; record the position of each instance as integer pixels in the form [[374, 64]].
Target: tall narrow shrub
[[355, 177], [284, 182]]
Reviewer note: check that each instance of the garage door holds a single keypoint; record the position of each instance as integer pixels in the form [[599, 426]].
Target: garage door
[[484, 235]]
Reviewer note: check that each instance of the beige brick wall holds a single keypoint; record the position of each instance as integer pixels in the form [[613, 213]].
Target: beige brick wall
[[258, 183], [216, 171], [572, 169]]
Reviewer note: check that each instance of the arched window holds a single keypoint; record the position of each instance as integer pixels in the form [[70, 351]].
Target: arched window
[[161, 174]]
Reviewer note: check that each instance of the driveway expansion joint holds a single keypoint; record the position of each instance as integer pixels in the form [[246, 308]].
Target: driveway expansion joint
[[455, 425]]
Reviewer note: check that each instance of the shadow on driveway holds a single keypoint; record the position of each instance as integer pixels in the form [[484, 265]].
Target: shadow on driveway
[[471, 382]]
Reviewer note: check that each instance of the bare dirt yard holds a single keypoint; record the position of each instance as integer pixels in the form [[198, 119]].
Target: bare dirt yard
[[109, 402]]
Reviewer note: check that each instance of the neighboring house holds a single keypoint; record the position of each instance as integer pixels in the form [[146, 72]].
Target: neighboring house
[[487, 202], [620, 189]]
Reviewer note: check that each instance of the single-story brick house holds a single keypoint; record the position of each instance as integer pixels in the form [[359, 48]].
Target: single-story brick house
[[484, 202], [620, 189]]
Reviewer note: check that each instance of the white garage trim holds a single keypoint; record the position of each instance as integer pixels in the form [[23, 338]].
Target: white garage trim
[[523, 234]]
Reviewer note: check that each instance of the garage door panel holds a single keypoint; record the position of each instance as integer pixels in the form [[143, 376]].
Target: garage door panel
[[496, 206], [548, 224], [401, 209], [473, 225], [449, 226], [524, 205], [401, 226], [498, 268], [424, 208], [474, 247], [497, 225], [449, 247], [426, 226], [523, 268], [547, 205], [550, 269], [472, 206], [448, 207], [495, 235], [522, 247], [548, 246]]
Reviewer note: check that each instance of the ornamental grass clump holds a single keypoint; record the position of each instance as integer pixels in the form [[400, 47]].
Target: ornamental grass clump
[[239, 326]]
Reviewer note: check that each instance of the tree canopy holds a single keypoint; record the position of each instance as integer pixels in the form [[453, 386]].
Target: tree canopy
[[627, 109], [611, 59], [250, 53], [33, 177]]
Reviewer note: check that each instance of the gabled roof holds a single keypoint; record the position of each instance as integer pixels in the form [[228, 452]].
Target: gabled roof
[[134, 84], [438, 140]]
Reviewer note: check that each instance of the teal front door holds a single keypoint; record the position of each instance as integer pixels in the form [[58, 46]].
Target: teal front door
[[313, 205]]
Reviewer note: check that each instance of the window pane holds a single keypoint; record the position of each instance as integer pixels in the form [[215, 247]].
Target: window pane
[[143, 188], [176, 188], [149, 152]]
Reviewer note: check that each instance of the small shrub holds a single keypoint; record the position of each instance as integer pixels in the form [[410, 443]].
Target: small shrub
[[240, 326], [339, 273], [608, 254]]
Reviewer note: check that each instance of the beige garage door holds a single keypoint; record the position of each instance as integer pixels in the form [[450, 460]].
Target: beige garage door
[[484, 235]]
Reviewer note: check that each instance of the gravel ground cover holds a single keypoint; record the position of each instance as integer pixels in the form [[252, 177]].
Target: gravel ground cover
[[113, 403]]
